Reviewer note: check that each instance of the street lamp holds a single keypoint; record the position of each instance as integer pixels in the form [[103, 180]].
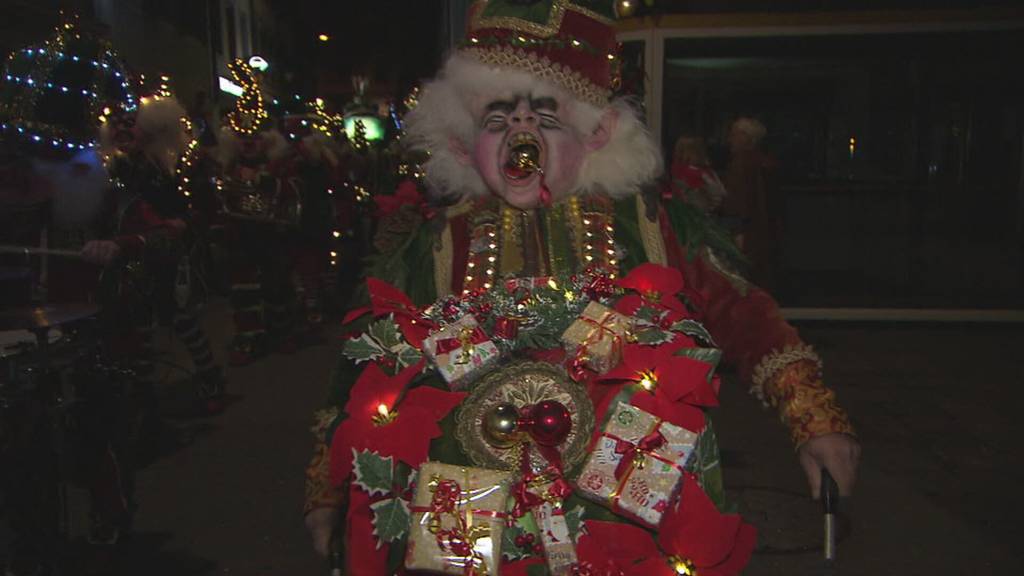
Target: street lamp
[[323, 37]]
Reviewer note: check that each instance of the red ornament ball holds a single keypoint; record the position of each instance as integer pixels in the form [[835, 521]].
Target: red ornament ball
[[550, 423]]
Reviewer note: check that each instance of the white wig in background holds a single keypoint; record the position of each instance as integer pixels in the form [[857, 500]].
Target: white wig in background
[[160, 132], [229, 145], [449, 105]]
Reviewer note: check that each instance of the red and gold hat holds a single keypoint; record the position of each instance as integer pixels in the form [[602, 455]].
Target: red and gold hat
[[570, 44]]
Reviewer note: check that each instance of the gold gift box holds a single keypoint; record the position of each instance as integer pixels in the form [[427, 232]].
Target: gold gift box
[[476, 516], [598, 337]]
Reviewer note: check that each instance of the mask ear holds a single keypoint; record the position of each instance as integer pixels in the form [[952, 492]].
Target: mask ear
[[459, 150], [605, 128]]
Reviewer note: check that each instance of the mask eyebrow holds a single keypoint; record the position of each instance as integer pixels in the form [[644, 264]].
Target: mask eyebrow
[[545, 103], [506, 106]]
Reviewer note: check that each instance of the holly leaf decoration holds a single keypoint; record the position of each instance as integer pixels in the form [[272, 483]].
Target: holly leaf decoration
[[391, 520], [653, 336], [374, 473], [407, 355], [574, 521], [694, 329], [509, 549], [649, 315], [405, 476], [709, 355], [362, 349], [385, 332]]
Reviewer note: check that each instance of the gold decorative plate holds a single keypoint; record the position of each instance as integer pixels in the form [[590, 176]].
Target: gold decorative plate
[[523, 384]]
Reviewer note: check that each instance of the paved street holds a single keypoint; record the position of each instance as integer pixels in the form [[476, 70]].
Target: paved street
[[936, 408]]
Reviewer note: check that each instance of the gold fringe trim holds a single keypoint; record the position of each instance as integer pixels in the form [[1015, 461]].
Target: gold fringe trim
[[543, 68], [650, 234], [775, 361]]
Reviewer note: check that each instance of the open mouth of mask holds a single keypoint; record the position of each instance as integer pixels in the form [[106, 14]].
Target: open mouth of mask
[[523, 160]]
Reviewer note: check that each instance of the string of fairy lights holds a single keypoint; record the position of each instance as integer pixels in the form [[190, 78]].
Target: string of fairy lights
[[29, 73]]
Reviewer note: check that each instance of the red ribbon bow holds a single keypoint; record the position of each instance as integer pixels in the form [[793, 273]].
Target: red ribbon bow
[[631, 452], [578, 367], [473, 336], [527, 500]]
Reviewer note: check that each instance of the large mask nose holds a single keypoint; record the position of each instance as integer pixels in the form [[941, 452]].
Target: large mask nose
[[523, 115]]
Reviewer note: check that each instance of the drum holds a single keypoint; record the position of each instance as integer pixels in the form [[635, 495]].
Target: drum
[[268, 200]]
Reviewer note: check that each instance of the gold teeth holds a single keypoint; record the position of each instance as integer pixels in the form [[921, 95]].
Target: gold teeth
[[521, 139]]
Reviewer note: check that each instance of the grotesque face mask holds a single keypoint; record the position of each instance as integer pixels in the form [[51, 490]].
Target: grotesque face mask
[[525, 150]]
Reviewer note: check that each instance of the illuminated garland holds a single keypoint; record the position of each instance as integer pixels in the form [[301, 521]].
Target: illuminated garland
[[328, 124], [249, 113], [18, 109]]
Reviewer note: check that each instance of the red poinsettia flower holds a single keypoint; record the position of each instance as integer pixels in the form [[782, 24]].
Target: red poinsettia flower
[[407, 194], [375, 423], [618, 549], [385, 299], [658, 286], [717, 544], [654, 285], [674, 387]]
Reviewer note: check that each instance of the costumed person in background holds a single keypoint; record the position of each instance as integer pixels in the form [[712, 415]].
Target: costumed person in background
[[751, 211], [261, 204], [149, 153], [693, 177], [564, 306], [312, 169], [55, 194]]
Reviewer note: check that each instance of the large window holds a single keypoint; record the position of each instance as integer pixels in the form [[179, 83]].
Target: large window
[[896, 177]]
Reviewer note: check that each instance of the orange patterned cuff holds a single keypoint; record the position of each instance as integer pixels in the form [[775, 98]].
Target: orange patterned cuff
[[320, 493], [806, 406]]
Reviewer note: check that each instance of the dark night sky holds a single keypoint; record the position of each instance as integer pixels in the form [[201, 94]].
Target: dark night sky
[[395, 42]]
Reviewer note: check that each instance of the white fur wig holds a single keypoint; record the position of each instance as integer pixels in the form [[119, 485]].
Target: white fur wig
[[449, 103], [160, 131], [229, 145]]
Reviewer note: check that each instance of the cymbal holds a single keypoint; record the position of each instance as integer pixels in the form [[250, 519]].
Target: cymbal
[[37, 318]]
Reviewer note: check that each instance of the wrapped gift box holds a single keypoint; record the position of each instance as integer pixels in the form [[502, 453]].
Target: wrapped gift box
[[458, 514], [636, 464], [461, 351], [597, 337]]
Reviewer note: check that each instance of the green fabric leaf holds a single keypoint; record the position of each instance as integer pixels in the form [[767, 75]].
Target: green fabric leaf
[[509, 549], [391, 520], [407, 356], [653, 336], [711, 356], [574, 520], [694, 329], [707, 466], [385, 332], [362, 349], [405, 476], [374, 473], [396, 555], [649, 314]]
